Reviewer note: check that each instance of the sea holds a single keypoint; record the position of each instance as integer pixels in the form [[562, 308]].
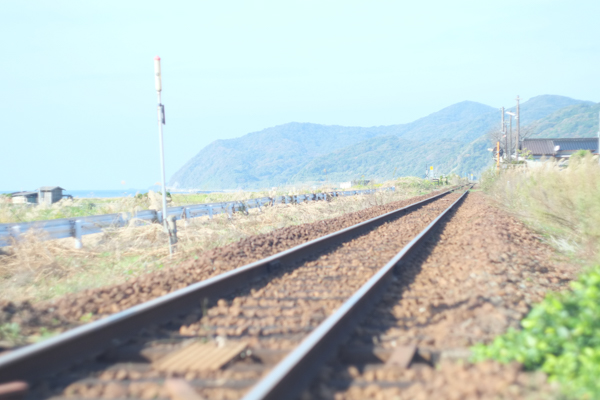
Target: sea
[[102, 194]]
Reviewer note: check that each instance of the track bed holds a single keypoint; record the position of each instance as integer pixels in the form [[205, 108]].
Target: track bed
[[270, 316]]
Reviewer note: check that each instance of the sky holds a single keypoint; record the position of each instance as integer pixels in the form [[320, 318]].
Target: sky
[[78, 103]]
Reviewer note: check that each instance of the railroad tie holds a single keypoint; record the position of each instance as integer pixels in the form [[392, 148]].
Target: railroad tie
[[198, 356]]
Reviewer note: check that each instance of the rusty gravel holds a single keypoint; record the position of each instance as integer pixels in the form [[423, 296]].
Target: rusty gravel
[[272, 316], [476, 277]]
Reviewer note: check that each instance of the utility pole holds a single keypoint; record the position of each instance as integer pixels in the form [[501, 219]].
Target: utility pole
[[161, 121], [510, 135], [510, 139], [518, 127], [503, 130], [505, 143]]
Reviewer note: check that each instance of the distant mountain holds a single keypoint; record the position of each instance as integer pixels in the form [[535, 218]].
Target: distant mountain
[[580, 120], [541, 106], [452, 139], [266, 158]]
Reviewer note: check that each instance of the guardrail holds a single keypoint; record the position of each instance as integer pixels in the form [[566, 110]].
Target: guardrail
[[78, 227]]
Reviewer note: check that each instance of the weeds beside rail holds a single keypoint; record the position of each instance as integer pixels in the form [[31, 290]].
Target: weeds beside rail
[[561, 335]]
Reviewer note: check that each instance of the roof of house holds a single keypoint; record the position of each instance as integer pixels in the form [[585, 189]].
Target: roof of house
[[26, 194], [549, 146], [50, 188], [539, 146]]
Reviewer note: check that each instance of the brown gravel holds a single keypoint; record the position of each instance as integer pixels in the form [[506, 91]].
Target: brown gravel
[[272, 316], [472, 281], [75, 309]]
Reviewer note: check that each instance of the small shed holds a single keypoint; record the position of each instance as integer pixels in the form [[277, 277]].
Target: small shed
[[24, 197], [50, 194]]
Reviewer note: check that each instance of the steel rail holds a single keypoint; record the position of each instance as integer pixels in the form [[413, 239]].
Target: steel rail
[[297, 369], [35, 361]]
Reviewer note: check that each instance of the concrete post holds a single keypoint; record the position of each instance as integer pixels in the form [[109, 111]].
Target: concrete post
[[77, 234], [172, 229], [15, 232]]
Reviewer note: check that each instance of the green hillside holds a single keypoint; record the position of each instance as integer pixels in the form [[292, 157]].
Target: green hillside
[[275, 156], [453, 139], [266, 158], [381, 157], [575, 121]]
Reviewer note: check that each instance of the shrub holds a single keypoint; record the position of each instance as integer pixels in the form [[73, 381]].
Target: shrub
[[560, 336], [488, 178]]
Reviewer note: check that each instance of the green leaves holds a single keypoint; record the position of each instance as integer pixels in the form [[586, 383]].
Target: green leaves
[[560, 336], [10, 333]]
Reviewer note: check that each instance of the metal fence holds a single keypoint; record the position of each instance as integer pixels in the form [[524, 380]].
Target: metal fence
[[77, 227]]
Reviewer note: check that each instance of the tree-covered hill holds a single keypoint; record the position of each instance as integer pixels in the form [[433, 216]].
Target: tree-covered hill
[[453, 139], [580, 120]]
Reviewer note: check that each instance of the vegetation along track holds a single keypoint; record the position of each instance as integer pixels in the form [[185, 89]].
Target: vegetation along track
[[243, 321]]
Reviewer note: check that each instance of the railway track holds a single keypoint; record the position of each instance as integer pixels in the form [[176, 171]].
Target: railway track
[[258, 332]]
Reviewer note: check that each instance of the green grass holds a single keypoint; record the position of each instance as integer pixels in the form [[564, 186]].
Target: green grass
[[67, 209], [104, 269], [10, 334]]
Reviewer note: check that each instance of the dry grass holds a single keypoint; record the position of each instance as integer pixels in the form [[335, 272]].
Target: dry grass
[[562, 203], [35, 270]]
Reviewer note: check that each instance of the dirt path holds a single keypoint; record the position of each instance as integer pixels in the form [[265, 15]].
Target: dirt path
[[476, 278]]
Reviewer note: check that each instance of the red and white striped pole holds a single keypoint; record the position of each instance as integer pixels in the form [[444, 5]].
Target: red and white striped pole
[[161, 122]]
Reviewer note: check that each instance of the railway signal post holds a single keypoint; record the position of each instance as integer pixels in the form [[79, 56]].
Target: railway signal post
[[518, 126], [161, 122]]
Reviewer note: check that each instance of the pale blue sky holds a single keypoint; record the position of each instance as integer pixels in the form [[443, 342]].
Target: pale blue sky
[[78, 104]]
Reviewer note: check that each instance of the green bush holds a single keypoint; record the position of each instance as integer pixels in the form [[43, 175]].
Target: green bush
[[488, 178], [560, 336], [414, 183], [10, 333], [579, 154]]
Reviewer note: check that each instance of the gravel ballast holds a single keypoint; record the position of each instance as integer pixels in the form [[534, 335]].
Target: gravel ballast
[[474, 279]]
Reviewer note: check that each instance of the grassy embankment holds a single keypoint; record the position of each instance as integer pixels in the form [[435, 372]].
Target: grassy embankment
[[10, 213], [561, 335], [37, 270]]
